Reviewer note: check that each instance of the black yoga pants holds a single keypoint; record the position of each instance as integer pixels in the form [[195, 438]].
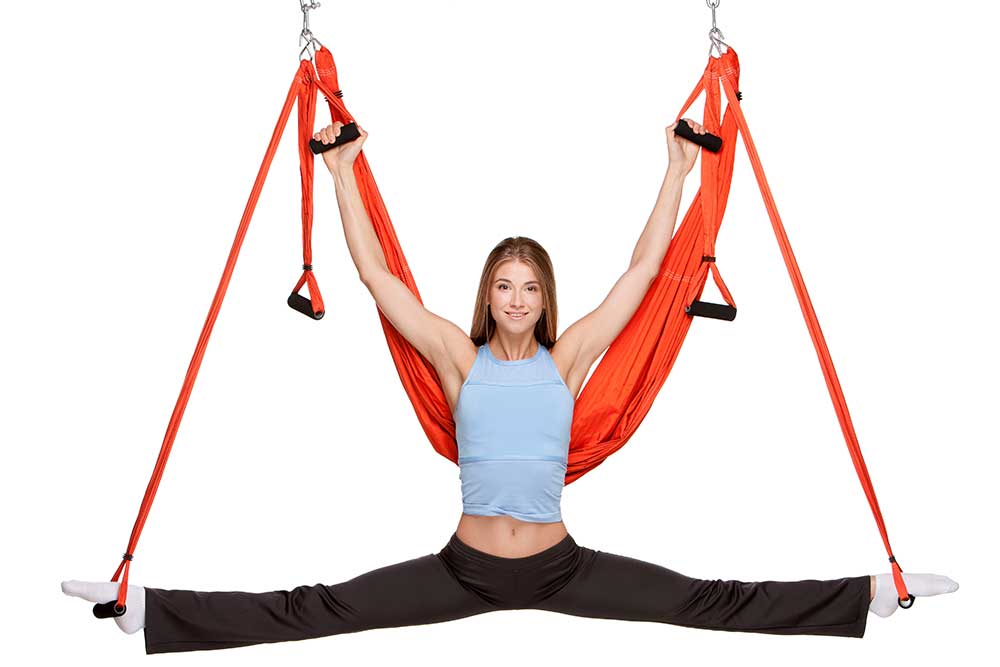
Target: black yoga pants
[[461, 581]]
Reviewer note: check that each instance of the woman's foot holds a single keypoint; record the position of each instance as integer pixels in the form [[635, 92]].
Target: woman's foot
[[134, 618], [886, 599]]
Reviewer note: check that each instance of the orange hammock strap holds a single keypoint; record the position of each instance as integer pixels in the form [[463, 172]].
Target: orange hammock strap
[[313, 306], [819, 342], [300, 81]]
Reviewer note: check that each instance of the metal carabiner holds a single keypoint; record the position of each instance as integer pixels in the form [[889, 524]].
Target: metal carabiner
[[312, 45], [306, 34], [715, 39]]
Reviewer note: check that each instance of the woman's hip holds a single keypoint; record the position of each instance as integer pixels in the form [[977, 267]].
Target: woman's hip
[[514, 583]]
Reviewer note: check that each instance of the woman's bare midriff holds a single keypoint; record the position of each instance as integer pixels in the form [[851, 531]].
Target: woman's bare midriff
[[507, 537]]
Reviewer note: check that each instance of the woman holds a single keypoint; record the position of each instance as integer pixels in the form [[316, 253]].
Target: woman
[[511, 387]]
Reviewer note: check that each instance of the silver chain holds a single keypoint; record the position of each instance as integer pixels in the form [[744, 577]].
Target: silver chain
[[311, 43], [712, 5]]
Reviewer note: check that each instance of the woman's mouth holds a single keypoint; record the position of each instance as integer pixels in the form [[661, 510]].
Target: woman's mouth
[[516, 316]]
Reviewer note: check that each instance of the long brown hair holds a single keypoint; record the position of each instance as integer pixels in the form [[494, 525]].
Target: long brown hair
[[531, 253]]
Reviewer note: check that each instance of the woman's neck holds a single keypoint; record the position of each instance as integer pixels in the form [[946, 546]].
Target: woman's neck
[[512, 349]]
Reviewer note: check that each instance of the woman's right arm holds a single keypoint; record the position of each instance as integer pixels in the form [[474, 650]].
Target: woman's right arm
[[424, 330], [366, 251]]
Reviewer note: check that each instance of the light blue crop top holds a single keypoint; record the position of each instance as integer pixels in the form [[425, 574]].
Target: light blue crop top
[[512, 425]]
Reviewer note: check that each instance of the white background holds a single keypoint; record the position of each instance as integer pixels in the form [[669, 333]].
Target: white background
[[131, 136]]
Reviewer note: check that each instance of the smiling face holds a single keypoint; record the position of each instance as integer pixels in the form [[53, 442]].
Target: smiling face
[[515, 297]]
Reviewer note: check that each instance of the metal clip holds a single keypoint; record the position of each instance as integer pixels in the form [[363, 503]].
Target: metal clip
[[311, 43]]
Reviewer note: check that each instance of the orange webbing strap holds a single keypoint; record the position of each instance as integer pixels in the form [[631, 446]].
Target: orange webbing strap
[[826, 363], [623, 386], [307, 162], [416, 374], [716, 178], [303, 82]]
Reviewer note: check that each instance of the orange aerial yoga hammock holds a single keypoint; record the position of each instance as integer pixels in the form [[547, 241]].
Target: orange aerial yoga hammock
[[621, 390]]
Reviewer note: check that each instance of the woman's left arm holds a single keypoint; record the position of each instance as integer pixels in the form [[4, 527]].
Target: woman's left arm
[[586, 339]]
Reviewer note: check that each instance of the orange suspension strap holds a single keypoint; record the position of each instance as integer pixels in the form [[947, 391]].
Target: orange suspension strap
[[304, 90], [624, 384]]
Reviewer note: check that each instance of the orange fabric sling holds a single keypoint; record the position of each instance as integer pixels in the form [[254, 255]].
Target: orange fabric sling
[[622, 388]]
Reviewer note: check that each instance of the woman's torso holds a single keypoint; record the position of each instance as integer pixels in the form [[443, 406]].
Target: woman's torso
[[502, 536]]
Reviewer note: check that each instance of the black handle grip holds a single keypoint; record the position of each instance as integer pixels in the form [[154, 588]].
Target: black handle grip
[[717, 311], [348, 133], [304, 306], [708, 141], [109, 609]]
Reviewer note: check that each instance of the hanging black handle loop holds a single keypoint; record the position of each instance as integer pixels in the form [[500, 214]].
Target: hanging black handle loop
[[716, 311], [347, 134], [708, 141], [304, 306]]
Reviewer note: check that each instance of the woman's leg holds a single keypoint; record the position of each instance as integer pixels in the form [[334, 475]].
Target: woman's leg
[[413, 592], [617, 587]]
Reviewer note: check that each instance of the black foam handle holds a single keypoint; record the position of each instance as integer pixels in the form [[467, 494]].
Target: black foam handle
[[304, 306], [708, 141], [717, 311], [348, 133], [108, 609]]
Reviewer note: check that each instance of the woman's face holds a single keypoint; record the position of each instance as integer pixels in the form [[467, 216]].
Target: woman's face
[[515, 297]]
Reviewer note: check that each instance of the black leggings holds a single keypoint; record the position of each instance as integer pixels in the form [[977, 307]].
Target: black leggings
[[461, 581]]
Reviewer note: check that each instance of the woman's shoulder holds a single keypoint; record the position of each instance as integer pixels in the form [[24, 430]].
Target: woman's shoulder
[[460, 354]]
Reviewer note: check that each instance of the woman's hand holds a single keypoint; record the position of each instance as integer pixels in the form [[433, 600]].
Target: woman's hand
[[683, 152], [341, 156]]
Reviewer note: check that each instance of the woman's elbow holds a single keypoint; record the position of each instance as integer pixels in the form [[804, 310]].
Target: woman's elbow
[[368, 273]]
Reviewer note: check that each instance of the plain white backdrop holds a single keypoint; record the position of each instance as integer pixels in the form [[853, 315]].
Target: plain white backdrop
[[132, 133]]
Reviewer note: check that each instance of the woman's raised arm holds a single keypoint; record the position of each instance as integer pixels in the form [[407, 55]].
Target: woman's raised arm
[[655, 238], [358, 230], [585, 340], [422, 328]]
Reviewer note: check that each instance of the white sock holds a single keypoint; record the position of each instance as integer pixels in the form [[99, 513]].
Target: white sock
[[886, 600], [134, 618]]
